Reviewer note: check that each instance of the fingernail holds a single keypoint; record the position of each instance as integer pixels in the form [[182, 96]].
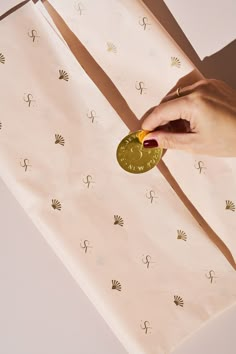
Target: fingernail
[[151, 143]]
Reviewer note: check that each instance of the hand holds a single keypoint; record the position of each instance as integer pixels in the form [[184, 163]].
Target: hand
[[209, 109]]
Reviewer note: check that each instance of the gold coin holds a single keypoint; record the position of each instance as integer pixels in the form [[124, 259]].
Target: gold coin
[[133, 157]]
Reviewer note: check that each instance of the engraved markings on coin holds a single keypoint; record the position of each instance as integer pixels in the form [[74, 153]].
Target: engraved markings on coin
[[133, 158]]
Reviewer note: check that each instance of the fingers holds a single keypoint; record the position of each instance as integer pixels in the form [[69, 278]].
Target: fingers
[[173, 109], [167, 140], [187, 80], [184, 90], [179, 108]]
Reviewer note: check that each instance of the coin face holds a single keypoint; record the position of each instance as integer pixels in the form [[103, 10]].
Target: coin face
[[133, 157]]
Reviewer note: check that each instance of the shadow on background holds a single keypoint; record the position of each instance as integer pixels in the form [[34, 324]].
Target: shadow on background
[[220, 65]]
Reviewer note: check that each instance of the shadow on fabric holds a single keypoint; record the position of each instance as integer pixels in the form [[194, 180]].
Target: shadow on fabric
[[220, 65]]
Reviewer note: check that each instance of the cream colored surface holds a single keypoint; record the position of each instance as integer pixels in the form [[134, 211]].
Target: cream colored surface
[[63, 107], [212, 188], [43, 310], [208, 185], [120, 24], [205, 20]]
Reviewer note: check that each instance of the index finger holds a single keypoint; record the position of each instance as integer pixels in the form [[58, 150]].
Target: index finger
[[179, 108]]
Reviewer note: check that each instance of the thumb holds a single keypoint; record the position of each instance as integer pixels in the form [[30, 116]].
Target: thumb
[[166, 140]]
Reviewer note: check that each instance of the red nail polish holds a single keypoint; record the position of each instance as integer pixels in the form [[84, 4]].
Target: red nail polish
[[152, 143]]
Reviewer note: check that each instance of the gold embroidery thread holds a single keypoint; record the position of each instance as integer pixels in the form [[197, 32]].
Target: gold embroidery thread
[[63, 75], [175, 62], [140, 86], [151, 196], [147, 260], [229, 205], [111, 47], [88, 180], [145, 327], [178, 301], [116, 285], [181, 235], [59, 139], [200, 166], [79, 7], [33, 34], [85, 245], [92, 115], [28, 98], [26, 164], [211, 276], [118, 220], [56, 205], [144, 23]]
